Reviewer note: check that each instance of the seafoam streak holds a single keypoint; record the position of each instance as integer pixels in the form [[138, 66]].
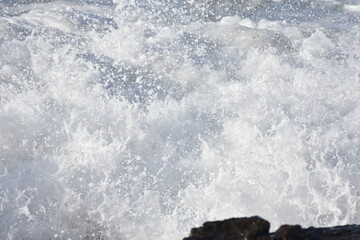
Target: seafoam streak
[[138, 120]]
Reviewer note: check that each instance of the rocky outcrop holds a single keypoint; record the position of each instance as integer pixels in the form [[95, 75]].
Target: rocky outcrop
[[256, 228], [234, 229]]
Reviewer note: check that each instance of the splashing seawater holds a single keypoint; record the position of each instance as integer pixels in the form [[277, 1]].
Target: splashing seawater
[[141, 119]]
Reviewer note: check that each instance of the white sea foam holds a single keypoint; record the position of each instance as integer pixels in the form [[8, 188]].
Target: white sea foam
[[141, 119]]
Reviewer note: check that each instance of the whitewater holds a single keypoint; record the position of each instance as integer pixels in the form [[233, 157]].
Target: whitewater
[[140, 119]]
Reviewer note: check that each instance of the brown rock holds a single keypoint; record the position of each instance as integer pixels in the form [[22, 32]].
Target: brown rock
[[256, 228], [231, 229], [288, 232]]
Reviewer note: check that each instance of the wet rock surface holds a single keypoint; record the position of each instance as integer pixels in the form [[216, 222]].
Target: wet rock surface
[[256, 228]]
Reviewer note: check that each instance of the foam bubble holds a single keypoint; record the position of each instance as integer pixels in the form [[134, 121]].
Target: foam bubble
[[141, 120]]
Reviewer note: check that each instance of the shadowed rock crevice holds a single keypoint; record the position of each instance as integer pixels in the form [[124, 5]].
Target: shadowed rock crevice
[[256, 228]]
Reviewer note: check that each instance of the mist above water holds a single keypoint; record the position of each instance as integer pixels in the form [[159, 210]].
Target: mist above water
[[141, 119]]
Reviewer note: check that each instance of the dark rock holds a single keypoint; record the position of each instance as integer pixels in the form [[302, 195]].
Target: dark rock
[[231, 229], [256, 228], [347, 232], [295, 232]]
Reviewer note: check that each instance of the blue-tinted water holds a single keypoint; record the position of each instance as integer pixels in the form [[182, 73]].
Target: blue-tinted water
[[141, 119]]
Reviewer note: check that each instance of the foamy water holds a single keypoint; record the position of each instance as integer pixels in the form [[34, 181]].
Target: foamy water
[[138, 119]]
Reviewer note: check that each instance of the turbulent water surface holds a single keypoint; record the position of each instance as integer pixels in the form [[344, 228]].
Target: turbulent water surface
[[139, 119]]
